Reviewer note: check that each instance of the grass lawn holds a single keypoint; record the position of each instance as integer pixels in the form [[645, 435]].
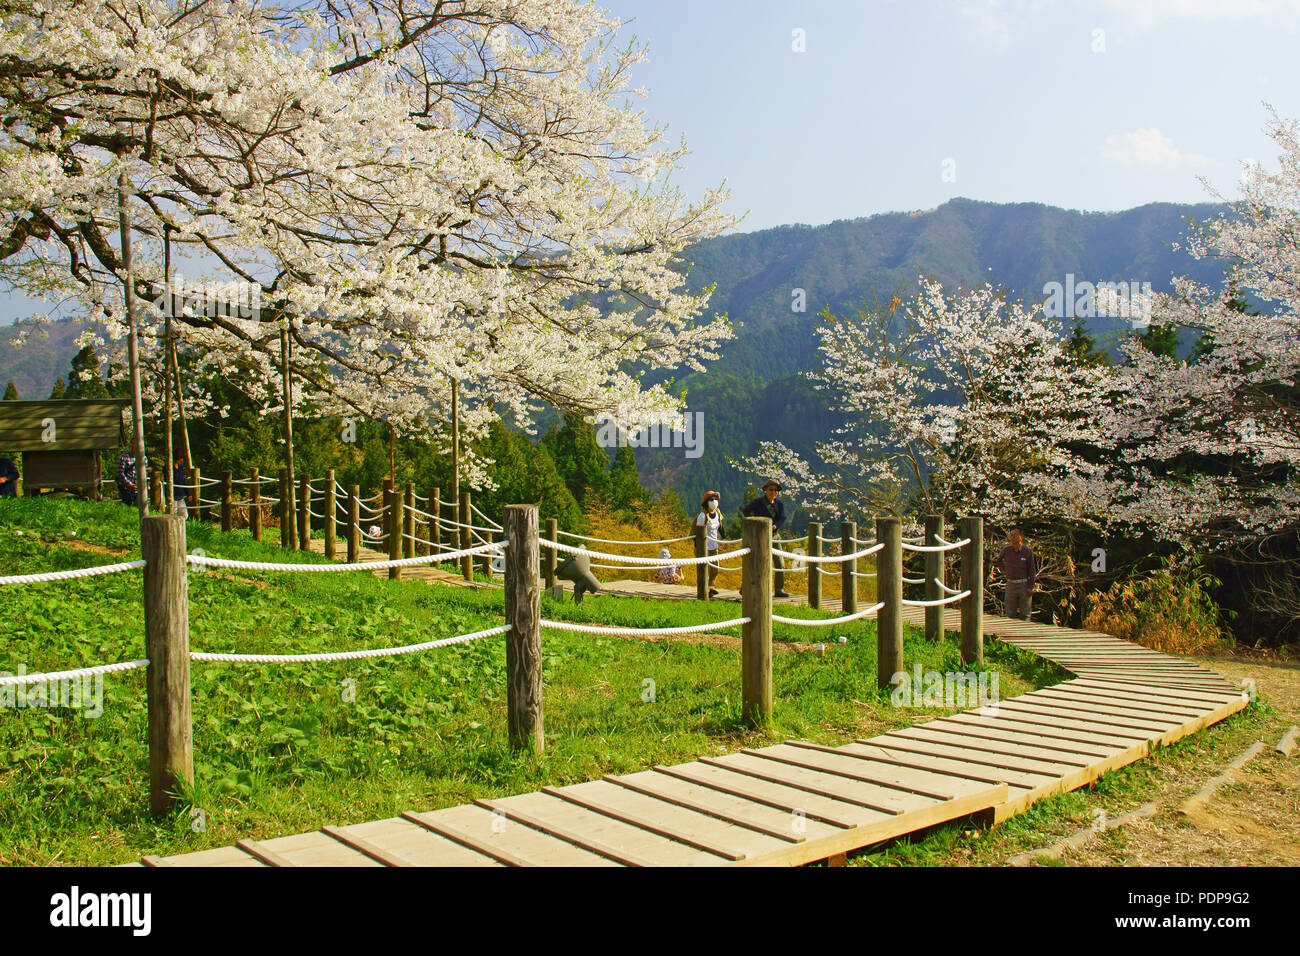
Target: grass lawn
[[279, 749]]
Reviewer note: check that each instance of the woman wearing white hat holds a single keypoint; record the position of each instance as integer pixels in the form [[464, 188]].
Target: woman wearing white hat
[[711, 518]]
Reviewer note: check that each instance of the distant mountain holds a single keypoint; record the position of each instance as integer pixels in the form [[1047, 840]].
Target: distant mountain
[[1021, 246], [42, 359]]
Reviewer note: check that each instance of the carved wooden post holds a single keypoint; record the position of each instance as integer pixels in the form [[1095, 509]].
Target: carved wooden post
[[933, 574], [227, 487], [393, 512], [466, 541], [408, 525], [524, 639], [972, 579], [552, 534], [889, 589], [331, 514], [304, 526], [255, 506], [701, 569], [354, 524], [848, 583], [756, 636], [814, 567], [167, 644]]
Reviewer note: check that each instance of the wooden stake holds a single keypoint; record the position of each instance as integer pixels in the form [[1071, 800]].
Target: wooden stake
[[354, 524], [227, 489], [331, 514], [255, 505], [304, 515], [972, 579], [467, 563], [435, 522], [701, 569], [889, 589], [552, 534], [756, 636], [393, 509], [933, 571], [284, 508], [524, 639], [814, 568], [408, 524], [167, 644], [848, 583], [196, 479]]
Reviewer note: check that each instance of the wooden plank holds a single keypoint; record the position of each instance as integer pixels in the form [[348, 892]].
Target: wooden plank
[[1191, 698], [1137, 702], [469, 841], [812, 783], [154, 861], [317, 849], [1086, 715], [918, 760], [258, 852], [1120, 709], [419, 845], [647, 823], [704, 806], [980, 755], [715, 783], [1062, 728], [882, 775], [566, 834], [1005, 744], [364, 846]]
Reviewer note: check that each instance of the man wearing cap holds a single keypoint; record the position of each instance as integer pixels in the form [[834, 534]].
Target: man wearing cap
[[1017, 563], [770, 506]]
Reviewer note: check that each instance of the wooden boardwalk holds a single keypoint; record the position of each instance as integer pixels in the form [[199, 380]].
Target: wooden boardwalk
[[797, 802]]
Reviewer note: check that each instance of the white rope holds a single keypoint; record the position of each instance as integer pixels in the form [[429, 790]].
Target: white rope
[[946, 546], [66, 575], [70, 675], [857, 574], [826, 622], [346, 655], [948, 590], [583, 537], [948, 600], [630, 559], [359, 566], [913, 580], [648, 631], [249, 481], [475, 509], [866, 541], [829, 559]]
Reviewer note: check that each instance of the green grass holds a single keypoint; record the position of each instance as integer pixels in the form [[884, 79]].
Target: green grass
[[280, 749]]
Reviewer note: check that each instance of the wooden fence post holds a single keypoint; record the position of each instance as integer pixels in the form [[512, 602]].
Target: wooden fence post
[[814, 567], [972, 579], [393, 513], [227, 488], [331, 514], [889, 589], [255, 505], [933, 575], [167, 644], [408, 524], [848, 583], [290, 513], [756, 636], [283, 508], [354, 524], [155, 491], [552, 534], [524, 639], [467, 562], [435, 520], [196, 479], [701, 569], [304, 527]]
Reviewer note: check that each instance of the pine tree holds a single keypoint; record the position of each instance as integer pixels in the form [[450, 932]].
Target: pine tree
[[623, 486], [11, 392], [577, 457], [85, 379], [60, 389]]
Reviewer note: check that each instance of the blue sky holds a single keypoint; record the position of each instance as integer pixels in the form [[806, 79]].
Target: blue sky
[[1025, 98]]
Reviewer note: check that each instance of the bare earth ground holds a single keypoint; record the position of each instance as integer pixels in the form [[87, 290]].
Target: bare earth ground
[[1252, 821]]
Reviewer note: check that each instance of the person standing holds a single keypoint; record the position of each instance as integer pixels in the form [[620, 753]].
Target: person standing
[[8, 478], [770, 506], [126, 489], [1017, 563], [710, 517]]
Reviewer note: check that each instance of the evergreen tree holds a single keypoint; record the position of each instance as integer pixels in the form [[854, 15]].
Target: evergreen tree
[[1082, 346], [85, 379], [1161, 340], [60, 389], [11, 392], [577, 457], [623, 486]]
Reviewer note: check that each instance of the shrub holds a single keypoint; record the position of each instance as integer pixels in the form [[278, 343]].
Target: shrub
[[1170, 610]]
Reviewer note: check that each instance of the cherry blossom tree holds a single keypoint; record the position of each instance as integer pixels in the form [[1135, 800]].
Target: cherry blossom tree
[[420, 191]]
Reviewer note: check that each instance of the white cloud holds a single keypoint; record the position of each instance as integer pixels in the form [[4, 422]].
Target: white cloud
[[1148, 147], [998, 21], [1149, 14]]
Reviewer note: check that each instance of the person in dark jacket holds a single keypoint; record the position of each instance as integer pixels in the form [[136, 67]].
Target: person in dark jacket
[[770, 506], [126, 489], [8, 478]]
